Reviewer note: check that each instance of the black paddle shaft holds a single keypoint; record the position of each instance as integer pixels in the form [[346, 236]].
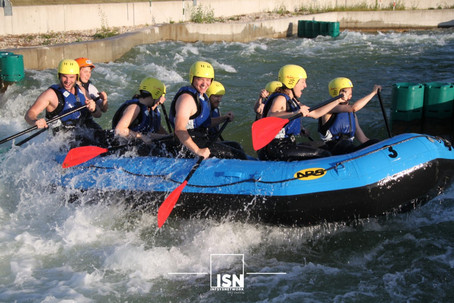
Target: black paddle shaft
[[212, 140], [36, 127], [384, 113], [166, 117], [42, 130]]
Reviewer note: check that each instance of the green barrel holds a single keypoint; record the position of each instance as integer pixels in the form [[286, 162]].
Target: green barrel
[[438, 100], [3, 54], [302, 28], [12, 68], [324, 28], [311, 29], [333, 29], [407, 101]]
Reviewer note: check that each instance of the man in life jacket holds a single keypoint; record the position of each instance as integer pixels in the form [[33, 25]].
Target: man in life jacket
[[190, 114], [339, 127], [62, 98], [215, 93]]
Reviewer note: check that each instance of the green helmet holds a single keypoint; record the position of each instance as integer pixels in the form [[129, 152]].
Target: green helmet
[[216, 88], [337, 84], [201, 69], [290, 74], [152, 85], [272, 86], [68, 67]]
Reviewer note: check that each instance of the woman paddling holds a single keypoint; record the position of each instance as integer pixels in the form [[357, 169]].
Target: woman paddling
[[284, 104]]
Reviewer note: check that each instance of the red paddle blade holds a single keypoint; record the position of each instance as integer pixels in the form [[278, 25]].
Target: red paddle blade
[[82, 154], [265, 129], [167, 206]]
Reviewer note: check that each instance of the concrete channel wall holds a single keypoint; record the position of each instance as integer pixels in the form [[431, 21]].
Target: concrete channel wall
[[19, 20], [105, 50]]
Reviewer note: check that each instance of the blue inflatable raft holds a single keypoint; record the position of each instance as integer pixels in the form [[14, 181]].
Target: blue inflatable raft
[[394, 175]]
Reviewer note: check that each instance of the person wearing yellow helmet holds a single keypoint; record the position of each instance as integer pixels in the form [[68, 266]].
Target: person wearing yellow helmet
[[190, 114], [339, 127], [85, 69], [61, 98], [270, 88], [140, 117], [284, 103], [215, 93]]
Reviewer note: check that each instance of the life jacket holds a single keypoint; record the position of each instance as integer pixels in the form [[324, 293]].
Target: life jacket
[[146, 120], [215, 113], [67, 102], [92, 92], [339, 126], [202, 118], [294, 126]]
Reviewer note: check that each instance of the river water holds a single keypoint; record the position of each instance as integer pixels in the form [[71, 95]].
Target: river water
[[52, 250]]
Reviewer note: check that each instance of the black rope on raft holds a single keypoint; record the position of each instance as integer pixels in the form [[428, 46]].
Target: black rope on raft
[[254, 180]]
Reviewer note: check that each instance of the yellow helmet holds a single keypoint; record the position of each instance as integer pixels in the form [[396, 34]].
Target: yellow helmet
[[272, 86], [290, 74], [337, 84], [216, 88], [68, 67], [201, 69], [152, 85]]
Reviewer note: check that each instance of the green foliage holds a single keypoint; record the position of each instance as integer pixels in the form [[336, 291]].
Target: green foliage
[[105, 32], [48, 38], [201, 15], [281, 10]]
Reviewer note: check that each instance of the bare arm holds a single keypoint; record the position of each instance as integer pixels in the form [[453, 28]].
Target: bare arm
[[359, 133], [317, 113], [278, 109], [129, 115], [364, 100], [48, 100], [104, 105], [185, 108], [258, 106], [218, 120]]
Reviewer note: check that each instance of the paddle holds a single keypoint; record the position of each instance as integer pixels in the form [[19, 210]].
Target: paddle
[[167, 118], [384, 113], [169, 203], [265, 130], [36, 127], [82, 154], [79, 155], [31, 137]]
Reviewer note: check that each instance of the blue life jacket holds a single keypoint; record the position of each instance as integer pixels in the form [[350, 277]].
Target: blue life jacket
[[146, 121], [215, 113], [294, 126], [202, 118], [339, 125], [67, 102]]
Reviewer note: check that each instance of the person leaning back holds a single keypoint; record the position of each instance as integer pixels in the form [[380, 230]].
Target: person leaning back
[[63, 97]]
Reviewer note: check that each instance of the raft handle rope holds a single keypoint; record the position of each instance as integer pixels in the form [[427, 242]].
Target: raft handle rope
[[335, 167]]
